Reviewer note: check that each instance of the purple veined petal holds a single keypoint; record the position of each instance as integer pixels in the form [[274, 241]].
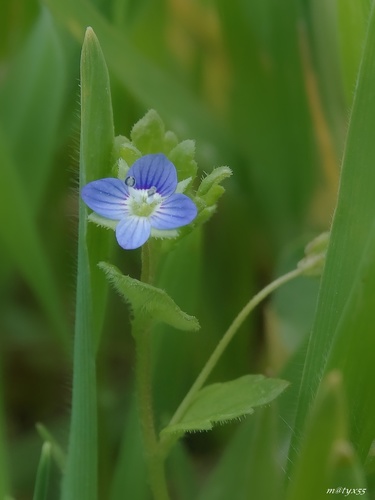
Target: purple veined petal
[[154, 170], [175, 211], [107, 197], [133, 231]]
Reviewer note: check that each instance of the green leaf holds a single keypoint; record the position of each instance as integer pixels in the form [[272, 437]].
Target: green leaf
[[343, 334], [42, 478], [148, 133], [210, 190], [182, 156], [271, 124], [97, 137], [326, 426], [125, 150], [352, 24], [347, 470], [31, 102], [20, 238], [149, 301], [130, 469], [222, 402], [56, 451], [215, 177]]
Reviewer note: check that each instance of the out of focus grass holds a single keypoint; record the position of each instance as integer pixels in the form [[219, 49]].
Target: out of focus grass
[[263, 86]]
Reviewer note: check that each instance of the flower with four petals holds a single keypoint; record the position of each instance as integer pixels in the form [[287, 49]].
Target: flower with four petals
[[146, 200]]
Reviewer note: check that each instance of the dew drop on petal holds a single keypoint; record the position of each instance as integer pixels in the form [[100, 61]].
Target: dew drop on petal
[[130, 181]]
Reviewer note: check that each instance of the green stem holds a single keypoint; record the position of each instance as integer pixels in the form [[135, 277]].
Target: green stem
[[155, 461], [148, 264], [167, 441], [142, 335]]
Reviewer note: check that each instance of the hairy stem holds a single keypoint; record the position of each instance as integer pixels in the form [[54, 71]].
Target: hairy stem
[[142, 335], [155, 462], [167, 441]]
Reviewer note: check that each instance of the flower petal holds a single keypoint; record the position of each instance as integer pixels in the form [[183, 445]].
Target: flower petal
[[154, 170], [175, 211], [107, 197], [133, 231]]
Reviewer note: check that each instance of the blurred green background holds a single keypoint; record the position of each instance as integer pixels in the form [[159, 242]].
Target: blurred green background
[[262, 86]]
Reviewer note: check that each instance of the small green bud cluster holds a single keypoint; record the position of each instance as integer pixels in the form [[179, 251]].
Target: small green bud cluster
[[150, 136]]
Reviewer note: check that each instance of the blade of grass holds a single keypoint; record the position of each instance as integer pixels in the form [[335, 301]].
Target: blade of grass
[[42, 478], [185, 113], [324, 41], [80, 480], [31, 104], [269, 107], [342, 335], [352, 24], [326, 426], [129, 479], [19, 236], [248, 467]]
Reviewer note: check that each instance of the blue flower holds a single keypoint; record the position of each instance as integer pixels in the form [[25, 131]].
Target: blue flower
[[146, 200]]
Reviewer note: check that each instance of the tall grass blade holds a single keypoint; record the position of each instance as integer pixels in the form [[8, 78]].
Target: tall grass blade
[[343, 335], [97, 137], [19, 237], [42, 477], [31, 105]]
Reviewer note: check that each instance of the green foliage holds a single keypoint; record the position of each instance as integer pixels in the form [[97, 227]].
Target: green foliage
[[27, 145], [210, 190], [80, 479], [149, 302], [56, 451], [182, 156], [148, 136], [42, 478], [342, 337], [31, 107], [223, 402], [249, 463], [326, 428], [264, 87], [148, 133], [174, 99], [33, 264]]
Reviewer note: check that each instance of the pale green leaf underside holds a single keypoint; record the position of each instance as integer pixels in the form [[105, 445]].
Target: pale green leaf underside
[[222, 402], [147, 300]]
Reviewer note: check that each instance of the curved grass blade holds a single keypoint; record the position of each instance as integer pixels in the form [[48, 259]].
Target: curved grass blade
[[343, 335]]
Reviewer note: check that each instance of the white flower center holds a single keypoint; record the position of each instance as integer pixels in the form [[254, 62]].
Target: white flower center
[[143, 202]]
